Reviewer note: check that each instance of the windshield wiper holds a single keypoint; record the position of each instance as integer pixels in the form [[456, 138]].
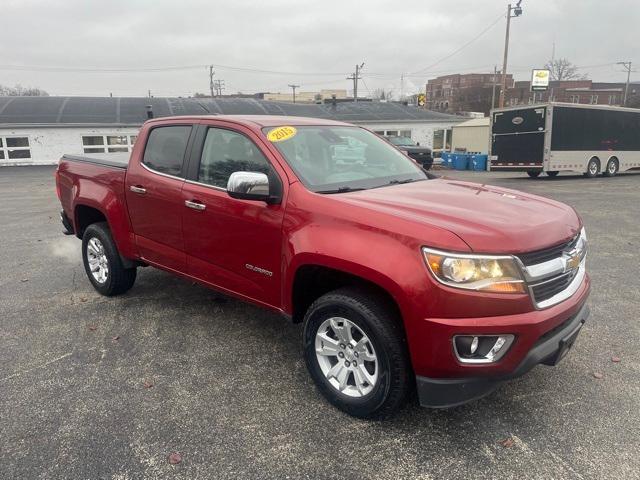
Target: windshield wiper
[[342, 190], [400, 182]]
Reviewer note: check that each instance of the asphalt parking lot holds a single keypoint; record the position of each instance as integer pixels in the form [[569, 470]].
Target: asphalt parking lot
[[94, 387]]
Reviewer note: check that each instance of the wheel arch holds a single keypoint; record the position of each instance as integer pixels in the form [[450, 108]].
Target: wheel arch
[[310, 280], [85, 215]]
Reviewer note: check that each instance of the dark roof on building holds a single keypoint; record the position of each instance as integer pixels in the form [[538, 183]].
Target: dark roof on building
[[132, 110]]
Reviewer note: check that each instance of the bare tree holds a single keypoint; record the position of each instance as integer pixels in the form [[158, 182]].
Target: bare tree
[[382, 94], [633, 101], [20, 91], [562, 69]]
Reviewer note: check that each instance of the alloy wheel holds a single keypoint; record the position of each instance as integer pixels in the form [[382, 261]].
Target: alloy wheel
[[346, 357], [98, 262]]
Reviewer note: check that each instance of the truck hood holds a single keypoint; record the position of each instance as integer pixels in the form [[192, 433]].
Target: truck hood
[[489, 219]]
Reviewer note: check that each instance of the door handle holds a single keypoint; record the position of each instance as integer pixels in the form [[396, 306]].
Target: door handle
[[138, 190], [195, 205]]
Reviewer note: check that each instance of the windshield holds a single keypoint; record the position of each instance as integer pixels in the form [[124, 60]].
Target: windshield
[[339, 159], [402, 141]]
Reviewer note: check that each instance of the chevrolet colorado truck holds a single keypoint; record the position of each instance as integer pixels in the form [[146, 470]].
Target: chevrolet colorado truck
[[404, 281]]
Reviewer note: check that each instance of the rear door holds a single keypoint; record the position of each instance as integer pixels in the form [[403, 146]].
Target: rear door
[[153, 191], [232, 244], [517, 139]]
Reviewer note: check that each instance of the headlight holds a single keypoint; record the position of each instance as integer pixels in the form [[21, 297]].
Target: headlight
[[582, 244], [487, 273]]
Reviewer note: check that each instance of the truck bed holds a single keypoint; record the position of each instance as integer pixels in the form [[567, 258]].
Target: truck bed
[[114, 160]]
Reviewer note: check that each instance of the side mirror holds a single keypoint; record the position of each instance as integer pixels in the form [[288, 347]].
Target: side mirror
[[418, 144], [249, 186]]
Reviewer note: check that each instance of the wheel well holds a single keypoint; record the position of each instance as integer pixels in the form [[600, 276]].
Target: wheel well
[[85, 216], [596, 159], [613, 158], [313, 281]]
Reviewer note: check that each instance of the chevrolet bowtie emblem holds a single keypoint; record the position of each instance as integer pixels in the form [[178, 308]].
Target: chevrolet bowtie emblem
[[572, 261]]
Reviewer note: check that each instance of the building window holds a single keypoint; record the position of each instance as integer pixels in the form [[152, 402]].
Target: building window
[[575, 98], [594, 99], [14, 148], [405, 133], [613, 99], [108, 143]]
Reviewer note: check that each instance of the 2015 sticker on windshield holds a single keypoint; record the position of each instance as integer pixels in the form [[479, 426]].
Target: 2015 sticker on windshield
[[281, 133]]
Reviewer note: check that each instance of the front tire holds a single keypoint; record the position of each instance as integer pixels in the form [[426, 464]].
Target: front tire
[[102, 262], [534, 173], [355, 352]]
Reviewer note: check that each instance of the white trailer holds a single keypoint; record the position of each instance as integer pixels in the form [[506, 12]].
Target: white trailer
[[556, 137]]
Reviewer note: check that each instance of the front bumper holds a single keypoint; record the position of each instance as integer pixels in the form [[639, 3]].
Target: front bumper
[[549, 349]]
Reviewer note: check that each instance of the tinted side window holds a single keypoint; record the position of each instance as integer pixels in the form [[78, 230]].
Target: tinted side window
[[165, 149], [225, 152]]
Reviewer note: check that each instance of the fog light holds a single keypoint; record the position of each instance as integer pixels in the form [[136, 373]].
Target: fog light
[[481, 348]]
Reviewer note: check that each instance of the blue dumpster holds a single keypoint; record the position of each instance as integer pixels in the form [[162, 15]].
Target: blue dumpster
[[460, 161], [446, 159], [479, 162]]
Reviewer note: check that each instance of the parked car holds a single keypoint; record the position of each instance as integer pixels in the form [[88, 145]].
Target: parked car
[[401, 279], [422, 155]]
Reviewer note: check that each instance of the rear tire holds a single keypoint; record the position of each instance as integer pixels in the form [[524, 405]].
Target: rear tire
[[102, 262], [337, 327], [553, 173], [593, 168], [534, 173], [612, 168]]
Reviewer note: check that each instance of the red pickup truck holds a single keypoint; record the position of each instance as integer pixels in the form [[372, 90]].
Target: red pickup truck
[[403, 280]]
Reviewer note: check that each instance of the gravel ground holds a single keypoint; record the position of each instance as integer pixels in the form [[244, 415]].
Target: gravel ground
[[92, 387]]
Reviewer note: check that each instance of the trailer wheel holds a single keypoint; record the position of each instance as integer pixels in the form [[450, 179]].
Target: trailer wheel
[[534, 173], [612, 167], [593, 168], [553, 173]]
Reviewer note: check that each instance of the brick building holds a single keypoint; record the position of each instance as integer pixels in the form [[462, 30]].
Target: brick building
[[571, 91], [469, 92]]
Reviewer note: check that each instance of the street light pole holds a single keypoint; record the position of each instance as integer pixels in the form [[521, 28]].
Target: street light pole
[[627, 66], [517, 11], [293, 87]]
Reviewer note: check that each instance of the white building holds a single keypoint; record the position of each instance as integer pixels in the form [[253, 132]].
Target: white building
[[472, 136], [38, 130]]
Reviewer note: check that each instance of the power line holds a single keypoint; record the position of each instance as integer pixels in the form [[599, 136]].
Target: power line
[[458, 50], [63, 69]]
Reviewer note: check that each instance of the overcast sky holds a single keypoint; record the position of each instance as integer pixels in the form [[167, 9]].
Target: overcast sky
[[317, 43]]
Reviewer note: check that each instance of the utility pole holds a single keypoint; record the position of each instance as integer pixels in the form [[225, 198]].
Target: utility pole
[[493, 87], [517, 11], [355, 77], [627, 66], [401, 86], [211, 72], [293, 87]]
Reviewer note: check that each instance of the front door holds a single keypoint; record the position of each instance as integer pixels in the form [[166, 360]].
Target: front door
[[153, 192], [235, 245]]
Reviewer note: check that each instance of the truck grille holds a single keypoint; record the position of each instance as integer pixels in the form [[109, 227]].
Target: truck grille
[[544, 255], [545, 290]]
